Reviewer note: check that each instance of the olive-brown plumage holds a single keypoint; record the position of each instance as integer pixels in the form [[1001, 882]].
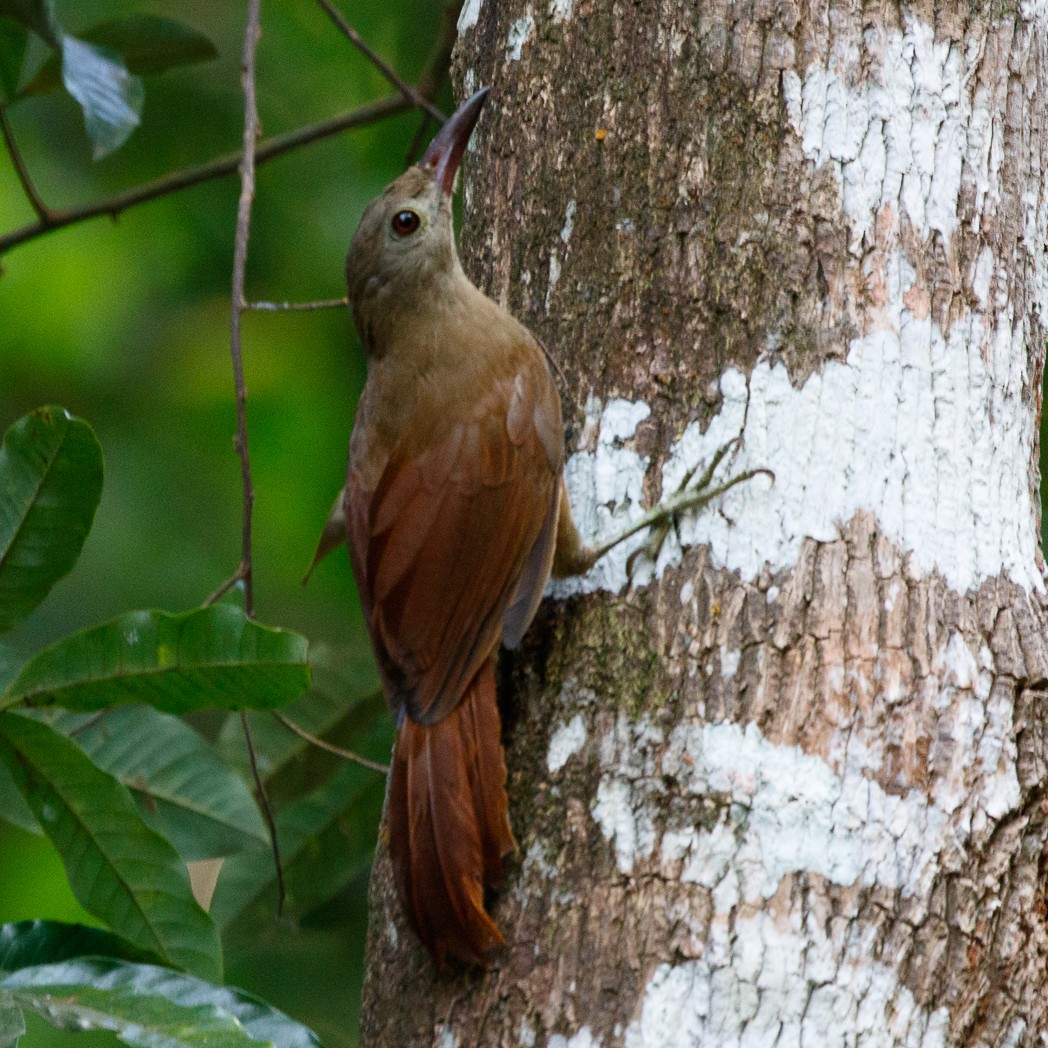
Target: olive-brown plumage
[[451, 508], [456, 514]]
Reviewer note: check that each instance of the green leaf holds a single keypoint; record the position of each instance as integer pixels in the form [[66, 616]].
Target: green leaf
[[13, 41], [26, 944], [13, 808], [38, 15], [10, 664], [148, 44], [176, 663], [109, 95], [152, 1007], [119, 869], [50, 484], [182, 787], [12, 1024]]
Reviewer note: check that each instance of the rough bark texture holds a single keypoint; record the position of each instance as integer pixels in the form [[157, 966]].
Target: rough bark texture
[[789, 786]]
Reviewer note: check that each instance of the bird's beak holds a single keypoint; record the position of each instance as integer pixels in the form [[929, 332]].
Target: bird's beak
[[445, 151]]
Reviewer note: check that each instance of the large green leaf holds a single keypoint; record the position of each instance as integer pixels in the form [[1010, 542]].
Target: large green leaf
[[182, 787], [176, 663], [26, 944], [13, 808], [38, 15], [10, 664], [120, 870], [148, 44], [110, 96], [151, 1007], [13, 41], [50, 483]]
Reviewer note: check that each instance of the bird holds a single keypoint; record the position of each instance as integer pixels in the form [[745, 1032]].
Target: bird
[[456, 515]]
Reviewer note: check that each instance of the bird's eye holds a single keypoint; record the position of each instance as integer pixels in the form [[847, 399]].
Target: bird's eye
[[405, 223]]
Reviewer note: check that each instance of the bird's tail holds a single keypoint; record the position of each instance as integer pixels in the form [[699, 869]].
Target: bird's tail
[[448, 823]]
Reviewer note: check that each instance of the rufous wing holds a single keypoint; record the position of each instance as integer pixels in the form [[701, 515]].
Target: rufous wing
[[441, 544]]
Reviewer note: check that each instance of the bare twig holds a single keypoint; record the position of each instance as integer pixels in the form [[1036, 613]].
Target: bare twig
[[410, 93], [247, 196], [217, 168], [427, 86], [234, 580], [267, 811], [281, 307], [41, 209], [313, 740]]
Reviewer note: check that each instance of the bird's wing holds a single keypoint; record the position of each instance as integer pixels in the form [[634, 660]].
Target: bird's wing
[[439, 546]]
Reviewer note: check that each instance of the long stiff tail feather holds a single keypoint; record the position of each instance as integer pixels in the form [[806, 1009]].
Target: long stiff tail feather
[[449, 824]]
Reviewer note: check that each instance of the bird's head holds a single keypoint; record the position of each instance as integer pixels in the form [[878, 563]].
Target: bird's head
[[405, 237]]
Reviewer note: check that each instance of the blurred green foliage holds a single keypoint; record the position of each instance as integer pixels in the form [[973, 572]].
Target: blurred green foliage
[[126, 324]]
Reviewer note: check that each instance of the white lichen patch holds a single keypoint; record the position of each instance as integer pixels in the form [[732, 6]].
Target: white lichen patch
[[783, 811], [537, 863], [469, 15], [774, 810], [605, 486], [925, 431], [554, 277], [522, 30], [772, 969], [773, 960], [975, 720], [903, 134], [583, 1039], [526, 1036], [447, 1038], [628, 825], [569, 223], [729, 663], [561, 10], [566, 741], [761, 984], [626, 796], [789, 812]]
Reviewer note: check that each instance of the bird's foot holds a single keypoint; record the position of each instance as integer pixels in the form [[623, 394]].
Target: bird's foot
[[689, 496]]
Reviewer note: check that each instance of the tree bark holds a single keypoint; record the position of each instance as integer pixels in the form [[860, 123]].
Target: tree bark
[[788, 785]]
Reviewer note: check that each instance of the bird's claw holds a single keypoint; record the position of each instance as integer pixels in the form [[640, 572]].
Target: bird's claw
[[666, 515]]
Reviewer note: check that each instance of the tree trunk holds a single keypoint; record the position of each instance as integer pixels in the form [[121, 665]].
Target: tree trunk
[[787, 787]]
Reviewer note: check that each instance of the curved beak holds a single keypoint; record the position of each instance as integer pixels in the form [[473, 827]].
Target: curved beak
[[445, 151]]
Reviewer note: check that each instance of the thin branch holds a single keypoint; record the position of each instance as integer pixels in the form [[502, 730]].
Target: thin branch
[[282, 307], [41, 209], [247, 196], [267, 811], [234, 580], [348, 755], [409, 92], [220, 167], [252, 31], [427, 86]]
